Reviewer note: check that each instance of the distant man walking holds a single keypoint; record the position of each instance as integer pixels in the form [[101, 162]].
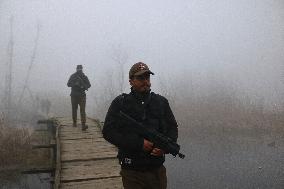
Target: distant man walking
[[79, 82]]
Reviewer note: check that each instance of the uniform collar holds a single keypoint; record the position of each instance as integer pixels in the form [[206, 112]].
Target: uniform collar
[[141, 96]]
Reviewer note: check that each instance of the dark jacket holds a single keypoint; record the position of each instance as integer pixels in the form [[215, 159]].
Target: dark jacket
[[154, 112], [78, 82]]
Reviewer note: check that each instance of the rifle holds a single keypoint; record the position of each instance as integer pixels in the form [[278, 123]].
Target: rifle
[[161, 141]]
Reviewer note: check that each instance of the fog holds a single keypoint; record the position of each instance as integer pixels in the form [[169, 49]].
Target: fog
[[197, 49], [238, 42]]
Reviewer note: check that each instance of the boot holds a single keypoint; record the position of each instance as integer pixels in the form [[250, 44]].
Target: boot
[[84, 127]]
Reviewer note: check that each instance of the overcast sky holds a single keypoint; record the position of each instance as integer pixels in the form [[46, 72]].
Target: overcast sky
[[238, 41]]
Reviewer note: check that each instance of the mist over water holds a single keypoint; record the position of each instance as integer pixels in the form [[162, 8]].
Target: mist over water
[[219, 63]]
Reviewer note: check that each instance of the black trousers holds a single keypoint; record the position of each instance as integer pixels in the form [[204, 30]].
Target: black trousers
[[153, 179], [81, 101]]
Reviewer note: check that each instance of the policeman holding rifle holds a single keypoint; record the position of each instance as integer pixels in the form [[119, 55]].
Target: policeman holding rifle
[[141, 124]]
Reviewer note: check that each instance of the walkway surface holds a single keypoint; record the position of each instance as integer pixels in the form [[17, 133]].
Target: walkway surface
[[87, 160]]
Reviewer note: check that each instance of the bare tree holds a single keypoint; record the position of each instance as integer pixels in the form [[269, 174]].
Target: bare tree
[[120, 58], [26, 84], [115, 81], [9, 76]]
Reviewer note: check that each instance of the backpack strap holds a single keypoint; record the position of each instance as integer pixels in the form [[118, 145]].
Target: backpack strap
[[162, 119], [121, 99]]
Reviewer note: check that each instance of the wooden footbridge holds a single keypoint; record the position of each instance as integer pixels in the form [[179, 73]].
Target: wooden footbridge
[[84, 159]]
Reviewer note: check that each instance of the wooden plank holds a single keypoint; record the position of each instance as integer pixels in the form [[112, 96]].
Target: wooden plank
[[95, 144], [87, 170], [108, 183], [71, 128], [74, 136], [87, 160], [78, 157], [86, 140], [85, 150], [70, 124], [79, 131], [77, 137]]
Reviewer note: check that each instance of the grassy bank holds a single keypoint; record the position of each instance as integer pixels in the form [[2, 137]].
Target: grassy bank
[[15, 145], [17, 154]]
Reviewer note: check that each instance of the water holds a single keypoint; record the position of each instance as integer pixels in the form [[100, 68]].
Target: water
[[30, 181], [230, 162]]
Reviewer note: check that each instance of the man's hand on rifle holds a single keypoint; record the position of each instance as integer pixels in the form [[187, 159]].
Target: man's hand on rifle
[[149, 147], [157, 152]]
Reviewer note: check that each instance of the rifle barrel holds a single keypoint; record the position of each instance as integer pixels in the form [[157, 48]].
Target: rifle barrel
[[141, 126], [181, 155]]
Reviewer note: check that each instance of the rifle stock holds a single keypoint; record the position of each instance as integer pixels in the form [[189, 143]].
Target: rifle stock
[[161, 141]]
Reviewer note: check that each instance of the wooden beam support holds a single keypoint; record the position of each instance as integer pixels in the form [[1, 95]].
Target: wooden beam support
[[38, 170], [44, 146]]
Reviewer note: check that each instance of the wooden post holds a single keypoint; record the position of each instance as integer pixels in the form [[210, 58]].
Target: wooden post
[[58, 159]]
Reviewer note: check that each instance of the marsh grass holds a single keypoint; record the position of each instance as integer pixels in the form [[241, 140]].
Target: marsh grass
[[14, 146]]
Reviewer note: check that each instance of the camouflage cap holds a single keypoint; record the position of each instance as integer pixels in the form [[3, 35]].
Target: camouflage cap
[[139, 68]]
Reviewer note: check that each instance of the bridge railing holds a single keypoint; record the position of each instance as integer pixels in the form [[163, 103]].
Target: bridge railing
[[58, 159]]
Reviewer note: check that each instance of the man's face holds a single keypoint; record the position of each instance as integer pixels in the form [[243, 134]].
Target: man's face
[[141, 83]]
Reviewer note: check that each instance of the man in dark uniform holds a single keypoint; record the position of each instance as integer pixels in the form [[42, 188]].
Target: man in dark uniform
[[79, 82], [141, 162]]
